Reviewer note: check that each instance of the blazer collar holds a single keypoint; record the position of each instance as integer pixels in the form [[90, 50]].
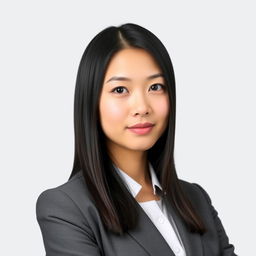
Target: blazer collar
[[149, 237]]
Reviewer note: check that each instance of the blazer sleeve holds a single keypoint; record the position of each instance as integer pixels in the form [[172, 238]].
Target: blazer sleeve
[[64, 229], [227, 249]]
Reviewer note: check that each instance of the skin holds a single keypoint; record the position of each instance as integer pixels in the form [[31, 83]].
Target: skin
[[126, 103]]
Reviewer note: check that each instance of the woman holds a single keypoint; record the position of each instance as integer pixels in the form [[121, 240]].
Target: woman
[[123, 196]]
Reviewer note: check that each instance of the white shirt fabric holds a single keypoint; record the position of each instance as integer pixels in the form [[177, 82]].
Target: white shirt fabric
[[156, 211]]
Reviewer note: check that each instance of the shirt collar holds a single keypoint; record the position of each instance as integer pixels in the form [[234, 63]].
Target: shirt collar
[[133, 185]]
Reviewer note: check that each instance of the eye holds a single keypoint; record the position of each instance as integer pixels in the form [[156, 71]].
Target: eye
[[118, 89], [155, 86]]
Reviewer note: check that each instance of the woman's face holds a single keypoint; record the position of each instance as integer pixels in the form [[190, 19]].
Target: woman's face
[[134, 99]]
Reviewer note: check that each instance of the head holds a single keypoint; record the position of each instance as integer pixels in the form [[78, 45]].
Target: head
[[125, 77], [102, 114]]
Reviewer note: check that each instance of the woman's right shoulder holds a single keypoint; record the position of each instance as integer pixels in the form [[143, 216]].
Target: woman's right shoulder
[[66, 215], [69, 195]]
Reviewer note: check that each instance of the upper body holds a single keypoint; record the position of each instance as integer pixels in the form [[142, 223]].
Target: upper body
[[71, 225], [124, 112]]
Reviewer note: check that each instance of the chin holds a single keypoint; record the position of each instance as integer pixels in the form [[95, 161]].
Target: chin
[[142, 146]]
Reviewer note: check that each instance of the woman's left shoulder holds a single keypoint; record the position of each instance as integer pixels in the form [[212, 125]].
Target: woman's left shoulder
[[195, 192]]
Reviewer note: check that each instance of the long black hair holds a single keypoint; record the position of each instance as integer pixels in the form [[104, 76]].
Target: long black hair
[[117, 207]]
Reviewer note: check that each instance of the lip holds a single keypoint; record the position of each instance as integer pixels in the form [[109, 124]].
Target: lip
[[141, 125], [141, 131]]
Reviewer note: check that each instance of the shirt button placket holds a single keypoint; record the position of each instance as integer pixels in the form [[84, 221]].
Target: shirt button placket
[[161, 220], [177, 250]]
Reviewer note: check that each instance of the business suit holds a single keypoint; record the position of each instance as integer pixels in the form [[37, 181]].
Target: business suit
[[71, 225]]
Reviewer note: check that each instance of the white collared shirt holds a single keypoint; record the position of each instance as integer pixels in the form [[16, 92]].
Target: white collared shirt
[[156, 211]]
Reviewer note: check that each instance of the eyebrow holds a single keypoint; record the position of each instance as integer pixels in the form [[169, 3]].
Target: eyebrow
[[122, 78]]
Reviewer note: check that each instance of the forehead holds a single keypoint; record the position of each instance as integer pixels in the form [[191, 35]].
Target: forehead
[[133, 63]]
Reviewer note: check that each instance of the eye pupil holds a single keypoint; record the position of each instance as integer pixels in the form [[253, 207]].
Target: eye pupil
[[119, 89]]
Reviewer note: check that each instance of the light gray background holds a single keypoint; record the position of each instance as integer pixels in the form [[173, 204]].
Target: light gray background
[[212, 47]]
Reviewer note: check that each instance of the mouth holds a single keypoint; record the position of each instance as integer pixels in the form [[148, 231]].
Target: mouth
[[141, 130], [142, 125]]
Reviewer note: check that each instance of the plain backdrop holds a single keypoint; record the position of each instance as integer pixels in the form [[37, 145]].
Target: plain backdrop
[[212, 47]]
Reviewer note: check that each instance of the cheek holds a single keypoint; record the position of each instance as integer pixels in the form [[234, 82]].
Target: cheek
[[111, 112], [162, 108]]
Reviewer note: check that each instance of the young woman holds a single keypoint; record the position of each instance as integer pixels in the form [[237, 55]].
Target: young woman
[[123, 196]]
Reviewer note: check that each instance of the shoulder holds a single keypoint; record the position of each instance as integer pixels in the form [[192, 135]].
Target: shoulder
[[196, 193], [69, 197], [201, 202], [66, 218]]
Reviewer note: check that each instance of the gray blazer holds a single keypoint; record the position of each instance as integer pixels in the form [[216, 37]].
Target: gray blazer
[[71, 226]]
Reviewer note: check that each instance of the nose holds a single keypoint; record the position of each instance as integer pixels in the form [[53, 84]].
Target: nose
[[141, 106]]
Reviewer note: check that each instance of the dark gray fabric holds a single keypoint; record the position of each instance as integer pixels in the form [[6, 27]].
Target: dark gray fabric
[[71, 226]]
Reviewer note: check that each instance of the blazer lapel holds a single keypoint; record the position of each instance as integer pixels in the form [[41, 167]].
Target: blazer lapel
[[149, 237], [191, 241]]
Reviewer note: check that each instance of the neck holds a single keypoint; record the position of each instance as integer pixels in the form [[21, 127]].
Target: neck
[[134, 163]]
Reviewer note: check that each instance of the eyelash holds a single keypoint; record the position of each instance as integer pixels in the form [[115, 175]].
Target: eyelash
[[163, 87]]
